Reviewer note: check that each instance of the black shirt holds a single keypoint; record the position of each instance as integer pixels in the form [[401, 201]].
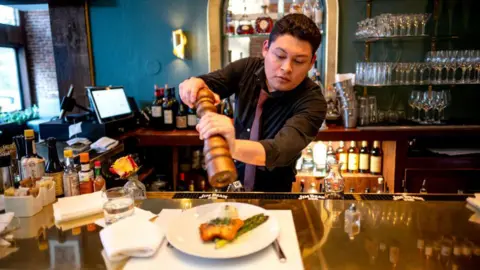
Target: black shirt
[[290, 119]]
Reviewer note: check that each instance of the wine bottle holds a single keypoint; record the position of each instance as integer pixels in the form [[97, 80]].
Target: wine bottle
[[168, 110], [342, 156], [376, 159], [353, 158], [157, 109], [53, 167], [181, 117], [192, 119], [70, 176], [364, 162]]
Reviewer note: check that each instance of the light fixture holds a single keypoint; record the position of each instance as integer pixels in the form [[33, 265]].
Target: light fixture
[[179, 42]]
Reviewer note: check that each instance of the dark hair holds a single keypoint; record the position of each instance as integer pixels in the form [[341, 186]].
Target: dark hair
[[298, 26]]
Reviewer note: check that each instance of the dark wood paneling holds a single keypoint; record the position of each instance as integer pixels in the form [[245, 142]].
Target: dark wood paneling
[[69, 38], [149, 137], [443, 180]]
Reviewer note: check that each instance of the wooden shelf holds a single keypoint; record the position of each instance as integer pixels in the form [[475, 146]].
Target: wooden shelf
[[150, 137], [394, 133]]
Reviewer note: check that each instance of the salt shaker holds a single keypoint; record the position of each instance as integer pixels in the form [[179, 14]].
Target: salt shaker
[[352, 221]]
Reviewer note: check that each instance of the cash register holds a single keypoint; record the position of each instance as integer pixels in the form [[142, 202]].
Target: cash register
[[110, 114]]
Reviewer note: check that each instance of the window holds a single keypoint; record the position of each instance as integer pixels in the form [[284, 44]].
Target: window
[[10, 99], [8, 15]]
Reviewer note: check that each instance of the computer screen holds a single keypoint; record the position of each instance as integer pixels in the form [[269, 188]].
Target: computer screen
[[111, 102]]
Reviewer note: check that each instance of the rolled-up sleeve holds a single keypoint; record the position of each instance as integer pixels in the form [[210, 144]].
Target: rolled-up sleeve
[[225, 81], [297, 132]]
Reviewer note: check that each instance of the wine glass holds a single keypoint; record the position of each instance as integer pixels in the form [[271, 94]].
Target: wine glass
[[408, 22], [414, 96], [439, 105], [426, 106], [463, 63], [424, 20], [447, 97]]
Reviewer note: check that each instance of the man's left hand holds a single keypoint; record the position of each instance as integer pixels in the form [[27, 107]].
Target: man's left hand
[[216, 124]]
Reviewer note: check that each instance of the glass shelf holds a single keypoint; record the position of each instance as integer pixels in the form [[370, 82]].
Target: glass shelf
[[405, 38], [246, 36], [416, 84]]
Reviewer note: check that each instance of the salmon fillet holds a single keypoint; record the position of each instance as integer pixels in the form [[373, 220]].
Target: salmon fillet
[[209, 231]]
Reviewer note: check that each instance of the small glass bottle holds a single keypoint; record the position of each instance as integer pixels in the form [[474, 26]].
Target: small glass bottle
[[380, 185], [70, 175], [318, 15], [423, 189], [99, 182], [352, 221], [181, 117], [264, 24], [53, 167], [86, 174], [136, 188], [230, 25]]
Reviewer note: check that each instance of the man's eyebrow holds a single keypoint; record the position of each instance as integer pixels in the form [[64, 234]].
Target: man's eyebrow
[[298, 55]]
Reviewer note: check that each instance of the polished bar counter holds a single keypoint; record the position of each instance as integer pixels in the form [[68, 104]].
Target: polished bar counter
[[394, 234]]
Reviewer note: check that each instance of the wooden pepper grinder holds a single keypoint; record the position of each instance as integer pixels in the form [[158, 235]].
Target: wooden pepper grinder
[[220, 168]]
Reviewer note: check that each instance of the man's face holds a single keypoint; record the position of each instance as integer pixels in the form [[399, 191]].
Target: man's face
[[287, 62]]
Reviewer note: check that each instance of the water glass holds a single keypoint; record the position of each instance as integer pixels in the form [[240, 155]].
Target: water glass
[[119, 204], [372, 105]]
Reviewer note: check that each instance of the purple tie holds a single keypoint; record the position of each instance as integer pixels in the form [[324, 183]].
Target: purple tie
[[249, 175]]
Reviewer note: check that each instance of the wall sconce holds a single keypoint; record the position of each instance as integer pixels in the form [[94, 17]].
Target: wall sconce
[[179, 43]]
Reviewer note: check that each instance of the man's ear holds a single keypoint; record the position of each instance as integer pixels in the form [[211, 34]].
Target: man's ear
[[314, 58], [265, 48]]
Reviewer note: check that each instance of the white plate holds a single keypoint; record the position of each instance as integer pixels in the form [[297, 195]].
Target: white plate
[[183, 233]]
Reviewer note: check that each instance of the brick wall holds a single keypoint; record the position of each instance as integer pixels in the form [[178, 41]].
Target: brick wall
[[41, 61], [256, 44]]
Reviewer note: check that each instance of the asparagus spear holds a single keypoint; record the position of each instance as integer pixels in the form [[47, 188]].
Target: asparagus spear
[[248, 225]]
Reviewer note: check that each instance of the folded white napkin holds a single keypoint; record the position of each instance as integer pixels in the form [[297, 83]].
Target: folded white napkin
[[138, 212], [131, 237], [5, 219], [74, 207]]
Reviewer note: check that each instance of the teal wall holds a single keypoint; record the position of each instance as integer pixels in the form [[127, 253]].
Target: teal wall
[[132, 43]]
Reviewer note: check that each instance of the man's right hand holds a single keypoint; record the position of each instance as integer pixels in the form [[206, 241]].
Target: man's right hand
[[189, 89]]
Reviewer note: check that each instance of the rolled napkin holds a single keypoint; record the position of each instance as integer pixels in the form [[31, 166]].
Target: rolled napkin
[[70, 208], [138, 212], [131, 237]]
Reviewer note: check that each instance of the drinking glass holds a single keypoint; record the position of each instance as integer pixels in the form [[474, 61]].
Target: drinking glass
[[372, 105], [408, 22], [119, 204], [439, 99]]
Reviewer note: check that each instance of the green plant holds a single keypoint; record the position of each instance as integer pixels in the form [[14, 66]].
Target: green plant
[[19, 117]]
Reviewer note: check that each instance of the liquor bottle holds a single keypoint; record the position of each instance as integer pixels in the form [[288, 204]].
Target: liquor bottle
[[198, 173], [191, 186], [264, 24], [245, 27], [181, 117], [168, 110], [364, 162], [342, 156], [295, 7], [230, 25], [423, 189], [331, 156], [227, 108], [53, 166], [157, 110], [192, 119], [33, 165], [20, 151], [307, 9], [318, 15], [181, 184], [70, 175], [353, 158], [376, 159], [86, 174], [99, 182]]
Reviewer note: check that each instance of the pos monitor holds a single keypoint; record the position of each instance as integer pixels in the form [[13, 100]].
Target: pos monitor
[[110, 103]]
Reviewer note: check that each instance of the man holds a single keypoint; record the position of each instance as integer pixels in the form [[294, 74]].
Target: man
[[278, 111]]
